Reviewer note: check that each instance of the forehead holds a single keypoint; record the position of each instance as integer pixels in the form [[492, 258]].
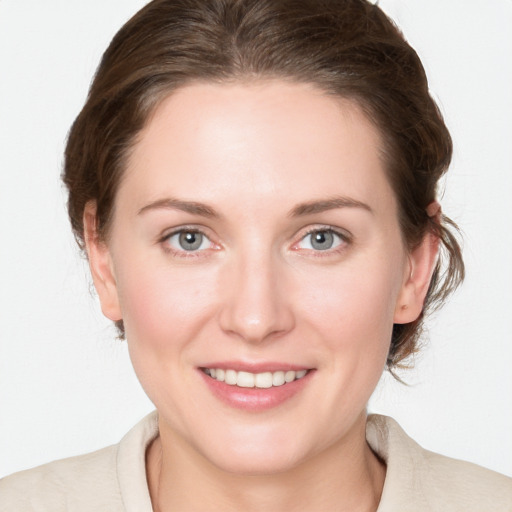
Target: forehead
[[263, 142]]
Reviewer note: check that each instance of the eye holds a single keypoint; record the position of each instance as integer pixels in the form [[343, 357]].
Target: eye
[[321, 240], [188, 240]]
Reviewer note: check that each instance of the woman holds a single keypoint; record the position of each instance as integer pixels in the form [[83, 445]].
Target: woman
[[254, 184]]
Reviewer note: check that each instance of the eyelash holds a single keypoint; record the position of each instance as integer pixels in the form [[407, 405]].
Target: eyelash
[[163, 241], [345, 238]]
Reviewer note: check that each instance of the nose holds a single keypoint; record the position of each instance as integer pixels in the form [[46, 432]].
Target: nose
[[256, 302]]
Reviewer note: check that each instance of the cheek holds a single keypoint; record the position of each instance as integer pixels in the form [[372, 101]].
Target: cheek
[[347, 317], [353, 309], [164, 307], [351, 299], [164, 311]]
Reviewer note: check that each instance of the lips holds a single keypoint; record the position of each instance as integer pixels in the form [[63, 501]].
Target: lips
[[255, 387]]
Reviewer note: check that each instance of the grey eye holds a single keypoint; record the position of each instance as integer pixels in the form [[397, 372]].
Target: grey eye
[[322, 240], [188, 241]]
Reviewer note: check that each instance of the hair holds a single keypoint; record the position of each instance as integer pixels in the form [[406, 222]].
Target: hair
[[347, 48]]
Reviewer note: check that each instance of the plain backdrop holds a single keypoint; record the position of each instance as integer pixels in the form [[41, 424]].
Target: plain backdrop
[[66, 384]]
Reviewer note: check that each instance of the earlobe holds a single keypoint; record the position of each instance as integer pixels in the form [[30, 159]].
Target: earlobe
[[421, 264], [100, 263]]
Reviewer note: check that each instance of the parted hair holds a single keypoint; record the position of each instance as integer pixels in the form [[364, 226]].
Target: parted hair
[[347, 48]]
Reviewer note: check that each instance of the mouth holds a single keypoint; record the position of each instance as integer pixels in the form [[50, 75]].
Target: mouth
[[262, 380], [268, 385]]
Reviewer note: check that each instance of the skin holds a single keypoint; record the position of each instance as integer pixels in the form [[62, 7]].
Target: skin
[[258, 291]]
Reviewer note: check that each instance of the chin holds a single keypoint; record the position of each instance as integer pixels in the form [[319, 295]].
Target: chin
[[264, 465], [256, 455]]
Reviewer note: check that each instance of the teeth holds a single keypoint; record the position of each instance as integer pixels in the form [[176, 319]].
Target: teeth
[[263, 380], [245, 379], [251, 380], [289, 376], [230, 377], [278, 379]]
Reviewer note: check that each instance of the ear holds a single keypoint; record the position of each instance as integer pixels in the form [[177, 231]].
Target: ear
[[100, 263], [421, 264]]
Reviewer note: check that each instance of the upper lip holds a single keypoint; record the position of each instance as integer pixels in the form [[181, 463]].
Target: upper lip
[[255, 367]]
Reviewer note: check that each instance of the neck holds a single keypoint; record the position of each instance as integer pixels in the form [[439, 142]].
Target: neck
[[346, 476]]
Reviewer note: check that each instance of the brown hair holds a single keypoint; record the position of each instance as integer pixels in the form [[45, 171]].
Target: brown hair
[[349, 48]]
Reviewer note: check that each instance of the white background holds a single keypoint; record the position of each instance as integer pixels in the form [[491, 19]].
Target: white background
[[66, 384]]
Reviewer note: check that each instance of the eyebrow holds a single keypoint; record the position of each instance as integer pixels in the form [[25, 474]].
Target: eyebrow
[[302, 209], [191, 207], [323, 205]]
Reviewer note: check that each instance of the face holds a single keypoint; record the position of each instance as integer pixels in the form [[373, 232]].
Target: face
[[256, 260]]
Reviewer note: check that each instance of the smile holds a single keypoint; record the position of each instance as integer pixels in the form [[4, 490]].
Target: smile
[[262, 380]]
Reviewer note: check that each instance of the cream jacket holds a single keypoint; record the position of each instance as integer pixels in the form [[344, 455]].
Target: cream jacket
[[114, 479]]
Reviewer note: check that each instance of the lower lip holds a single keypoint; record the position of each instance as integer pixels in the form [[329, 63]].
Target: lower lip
[[255, 399]]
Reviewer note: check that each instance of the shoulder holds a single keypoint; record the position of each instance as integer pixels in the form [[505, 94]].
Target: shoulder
[[433, 481], [468, 482], [86, 482], [112, 479]]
